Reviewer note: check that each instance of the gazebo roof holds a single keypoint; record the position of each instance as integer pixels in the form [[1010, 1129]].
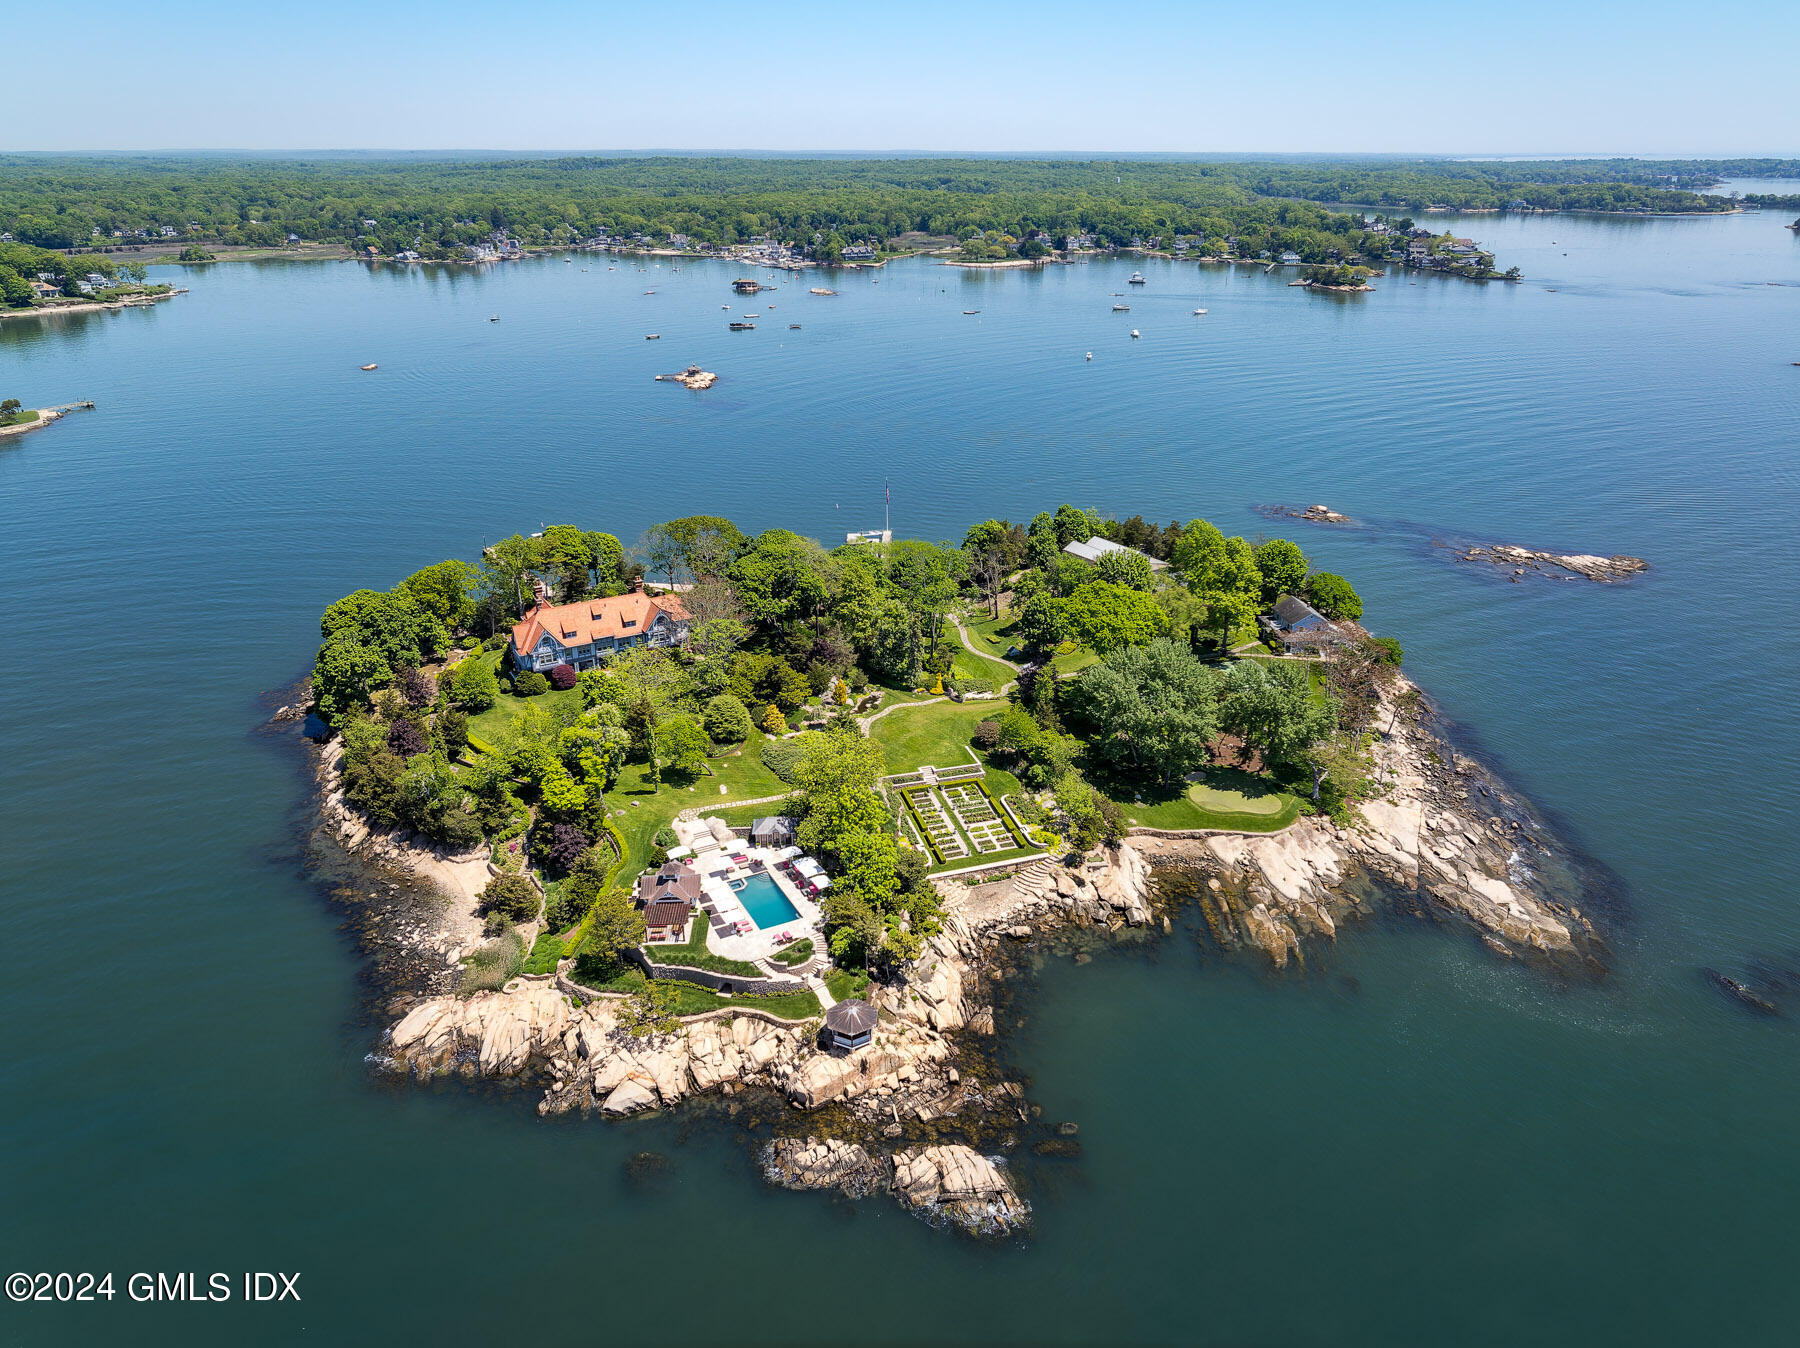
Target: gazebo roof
[[851, 1017]]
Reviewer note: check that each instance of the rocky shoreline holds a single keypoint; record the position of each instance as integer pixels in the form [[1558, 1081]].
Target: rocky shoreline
[[927, 1111]]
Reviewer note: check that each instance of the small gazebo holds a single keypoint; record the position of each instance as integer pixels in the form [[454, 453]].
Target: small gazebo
[[850, 1024]]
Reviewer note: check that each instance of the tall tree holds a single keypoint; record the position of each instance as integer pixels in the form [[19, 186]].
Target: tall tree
[[1153, 709]]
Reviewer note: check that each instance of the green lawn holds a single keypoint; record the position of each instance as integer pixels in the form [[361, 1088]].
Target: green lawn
[[937, 734], [843, 984], [488, 726], [1225, 799], [994, 636], [692, 999], [646, 810], [19, 418], [977, 673], [695, 954], [1072, 659]]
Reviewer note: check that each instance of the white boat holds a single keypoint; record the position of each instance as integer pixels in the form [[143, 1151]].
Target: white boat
[[1090, 355], [1198, 312], [1121, 308], [1134, 332], [971, 311], [1137, 279]]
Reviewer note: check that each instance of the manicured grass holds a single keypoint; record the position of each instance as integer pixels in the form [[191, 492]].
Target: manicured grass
[[1226, 799], [977, 673], [489, 726], [645, 809], [694, 953], [20, 417], [691, 999], [991, 635], [994, 858], [843, 984], [937, 734], [1072, 659]]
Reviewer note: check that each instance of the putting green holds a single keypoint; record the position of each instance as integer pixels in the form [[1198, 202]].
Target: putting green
[[1221, 801]]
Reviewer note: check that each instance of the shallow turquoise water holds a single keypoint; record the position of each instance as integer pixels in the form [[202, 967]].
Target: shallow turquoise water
[[1411, 1144]]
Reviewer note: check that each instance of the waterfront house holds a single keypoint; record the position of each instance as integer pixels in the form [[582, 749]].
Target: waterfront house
[[850, 1024], [589, 632], [1293, 614], [1096, 548], [859, 252]]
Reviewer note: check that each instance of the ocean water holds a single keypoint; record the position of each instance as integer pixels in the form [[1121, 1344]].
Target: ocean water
[[1410, 1142]]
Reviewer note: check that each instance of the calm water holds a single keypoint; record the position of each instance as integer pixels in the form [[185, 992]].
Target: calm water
[[1411, 1144]]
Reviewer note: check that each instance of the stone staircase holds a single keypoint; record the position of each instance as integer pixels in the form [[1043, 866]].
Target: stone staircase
[[1033, 881]]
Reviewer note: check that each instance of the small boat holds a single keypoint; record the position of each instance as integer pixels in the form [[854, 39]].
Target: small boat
[[1137, 279], [1198, 312], [971, 311], [1090, 355], [1134, 333], [1121, 308], [370, 366], [821, 290], [493, 318], [652, 336], [740, 327], [724, 306], [793, 327], [649, 292]]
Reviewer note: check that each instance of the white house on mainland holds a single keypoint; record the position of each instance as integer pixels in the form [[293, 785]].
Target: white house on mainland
[[1096, 548], [588, 633]]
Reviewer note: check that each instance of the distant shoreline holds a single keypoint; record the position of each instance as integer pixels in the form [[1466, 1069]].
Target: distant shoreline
[[93, 306]]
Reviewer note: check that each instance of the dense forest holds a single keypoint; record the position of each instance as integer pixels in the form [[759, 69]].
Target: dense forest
[[66, 202]]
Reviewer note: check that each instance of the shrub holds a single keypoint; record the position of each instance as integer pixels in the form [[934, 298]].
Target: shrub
[[469, 644], [567, 843], [727, 720], [472, 685], [453, 725], [773, 722], [797, 953], [494, 642], [987, 734], [782, 757], [416, 686], [562, 677], [530, 684], [512, 896], [567, 906], [491, 966], [665, 837], [1390, 649], [407, 737]]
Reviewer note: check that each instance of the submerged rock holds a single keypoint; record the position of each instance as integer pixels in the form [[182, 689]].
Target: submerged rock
[[1743, 995]]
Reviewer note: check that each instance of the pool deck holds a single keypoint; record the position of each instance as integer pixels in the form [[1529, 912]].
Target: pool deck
[[734, 932]]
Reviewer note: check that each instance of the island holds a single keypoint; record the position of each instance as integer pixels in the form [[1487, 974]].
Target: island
[[750, 817]]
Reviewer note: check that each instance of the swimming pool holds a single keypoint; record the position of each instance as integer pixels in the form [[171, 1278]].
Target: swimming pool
[[767, 905]]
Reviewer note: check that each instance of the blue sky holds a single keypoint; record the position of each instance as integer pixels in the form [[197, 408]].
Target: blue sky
[[1525, 77]]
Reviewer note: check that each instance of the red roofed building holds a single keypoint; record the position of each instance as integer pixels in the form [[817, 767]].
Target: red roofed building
[[592, 631]]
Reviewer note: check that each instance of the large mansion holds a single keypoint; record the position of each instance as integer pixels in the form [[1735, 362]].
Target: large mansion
[[592, 631]]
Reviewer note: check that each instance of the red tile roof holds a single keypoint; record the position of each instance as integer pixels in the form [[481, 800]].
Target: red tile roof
[[590, 620]]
